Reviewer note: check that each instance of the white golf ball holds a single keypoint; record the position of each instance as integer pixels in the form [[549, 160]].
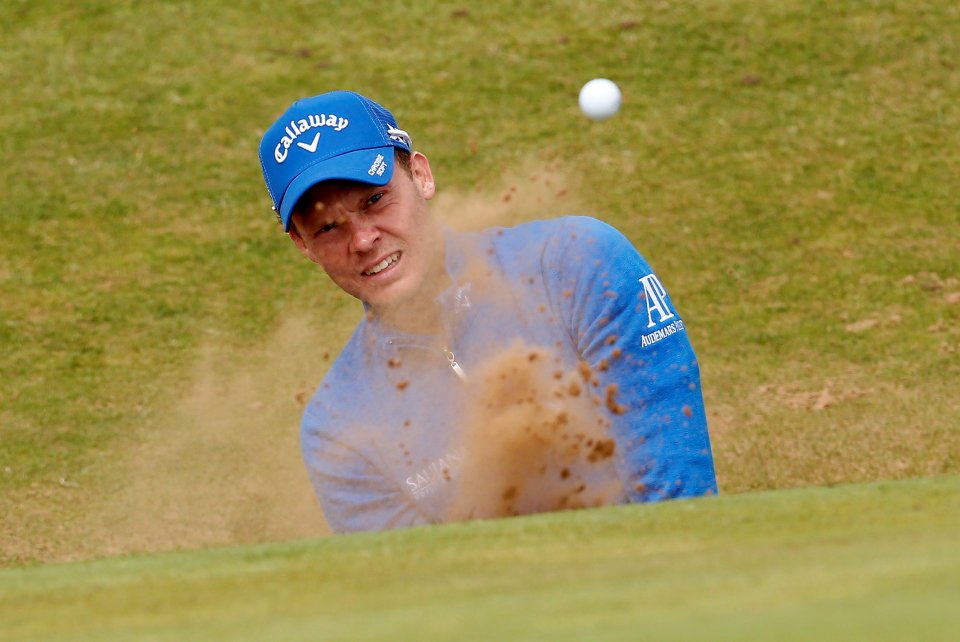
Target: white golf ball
[[600, 99]]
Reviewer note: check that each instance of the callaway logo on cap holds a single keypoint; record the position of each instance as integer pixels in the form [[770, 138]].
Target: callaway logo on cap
[[337, 135]]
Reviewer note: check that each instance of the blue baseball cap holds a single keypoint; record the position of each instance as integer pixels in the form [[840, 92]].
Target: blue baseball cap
[[337, 135]]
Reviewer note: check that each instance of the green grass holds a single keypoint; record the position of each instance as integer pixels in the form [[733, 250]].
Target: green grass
[[861, 562], [789, 168]]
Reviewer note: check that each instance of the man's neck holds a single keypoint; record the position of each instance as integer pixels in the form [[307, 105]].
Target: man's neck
[[422, 317], [419, 314]]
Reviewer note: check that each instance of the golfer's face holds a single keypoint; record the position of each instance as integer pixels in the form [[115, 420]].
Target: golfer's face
[[378, 243]]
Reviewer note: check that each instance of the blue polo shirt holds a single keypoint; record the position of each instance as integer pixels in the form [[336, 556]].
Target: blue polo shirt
[[384, 436]]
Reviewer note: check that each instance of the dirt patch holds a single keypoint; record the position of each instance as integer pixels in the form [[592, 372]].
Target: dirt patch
[[831, 394]]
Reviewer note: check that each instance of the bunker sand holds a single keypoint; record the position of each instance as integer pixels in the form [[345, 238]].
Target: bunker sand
[[536, 439]]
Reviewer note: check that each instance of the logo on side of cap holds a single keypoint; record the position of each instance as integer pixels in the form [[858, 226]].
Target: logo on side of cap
[[378, 167]]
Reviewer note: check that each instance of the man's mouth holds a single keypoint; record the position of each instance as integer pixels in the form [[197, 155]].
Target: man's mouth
[[383, 265]]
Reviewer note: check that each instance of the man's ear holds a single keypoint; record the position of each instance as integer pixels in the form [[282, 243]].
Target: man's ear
[[423, 175]]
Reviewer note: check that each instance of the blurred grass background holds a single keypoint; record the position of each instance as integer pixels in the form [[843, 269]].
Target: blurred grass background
[[789, 169]]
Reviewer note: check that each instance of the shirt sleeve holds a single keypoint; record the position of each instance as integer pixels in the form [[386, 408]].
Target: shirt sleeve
[[626, 328], [353, 492]]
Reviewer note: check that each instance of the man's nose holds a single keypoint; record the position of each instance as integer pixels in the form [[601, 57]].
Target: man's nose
[[364, 235]]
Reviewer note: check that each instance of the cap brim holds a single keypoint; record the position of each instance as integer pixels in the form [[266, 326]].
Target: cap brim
[[351, 166]]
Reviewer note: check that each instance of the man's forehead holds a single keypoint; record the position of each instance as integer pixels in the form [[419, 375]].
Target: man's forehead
[[330, 192], [335, 188]]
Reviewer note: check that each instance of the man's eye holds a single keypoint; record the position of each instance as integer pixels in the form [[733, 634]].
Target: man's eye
[[325, 228], [375, 198]]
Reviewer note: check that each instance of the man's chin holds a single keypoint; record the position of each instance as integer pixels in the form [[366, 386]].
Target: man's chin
[[390, 296], [404, 298]]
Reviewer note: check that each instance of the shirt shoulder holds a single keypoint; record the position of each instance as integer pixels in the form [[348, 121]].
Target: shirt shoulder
[[531, 247], [547, 231]]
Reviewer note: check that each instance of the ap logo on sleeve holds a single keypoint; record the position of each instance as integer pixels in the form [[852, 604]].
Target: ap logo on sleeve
[[658, 311], [655, 296]]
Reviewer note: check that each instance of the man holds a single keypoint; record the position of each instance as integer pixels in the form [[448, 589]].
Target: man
[[501, 372]]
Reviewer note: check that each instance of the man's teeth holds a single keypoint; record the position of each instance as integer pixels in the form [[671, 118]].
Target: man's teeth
[[382, 265]]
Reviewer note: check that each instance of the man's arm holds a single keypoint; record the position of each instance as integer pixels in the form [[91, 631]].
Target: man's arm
[[626, 328]]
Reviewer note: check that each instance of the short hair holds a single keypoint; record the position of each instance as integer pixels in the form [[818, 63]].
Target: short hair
[[401, 157]]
